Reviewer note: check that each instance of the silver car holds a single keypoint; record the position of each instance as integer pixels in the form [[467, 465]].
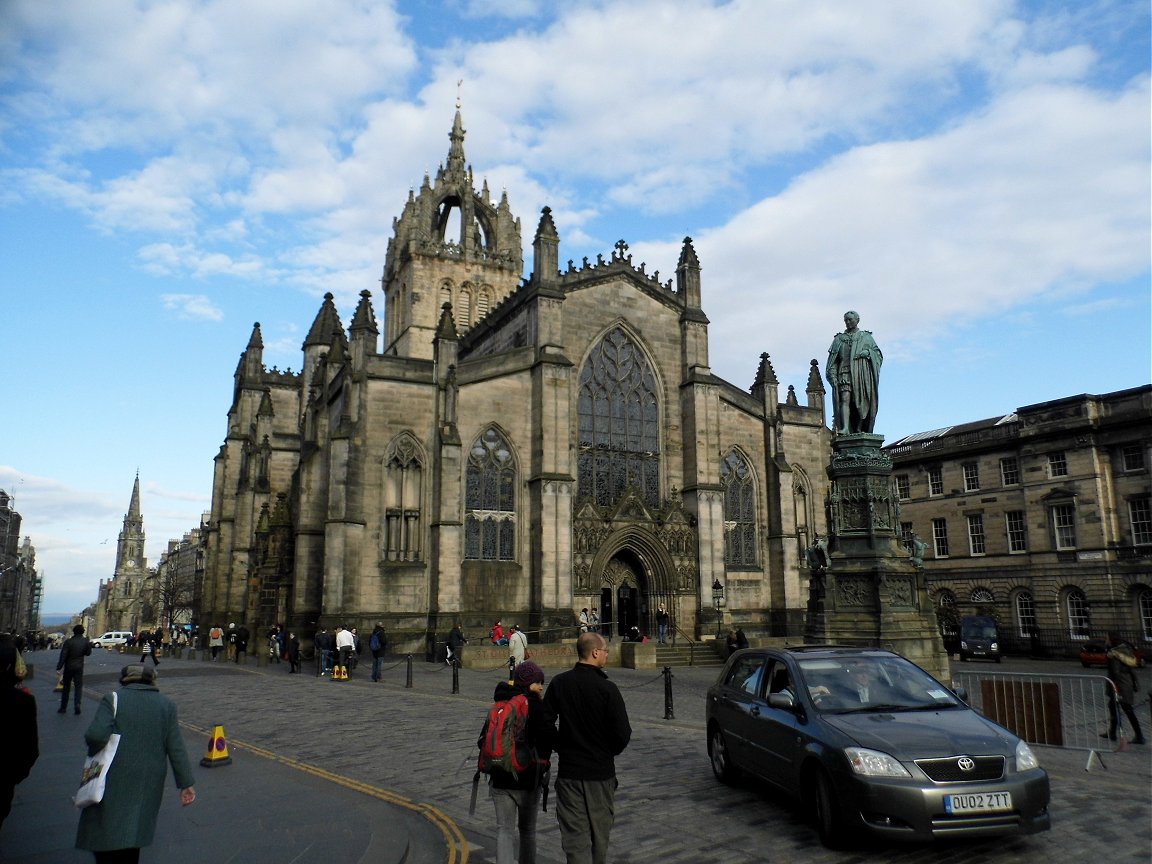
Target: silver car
[[870, 741]]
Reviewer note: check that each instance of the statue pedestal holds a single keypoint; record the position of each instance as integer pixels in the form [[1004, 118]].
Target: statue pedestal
[[870, 593]]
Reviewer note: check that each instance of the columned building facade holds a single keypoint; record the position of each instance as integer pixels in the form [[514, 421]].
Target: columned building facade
[[1042, 517]]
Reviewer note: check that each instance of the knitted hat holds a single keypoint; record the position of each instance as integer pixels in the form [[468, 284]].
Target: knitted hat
[[528, 673], [138, 673]]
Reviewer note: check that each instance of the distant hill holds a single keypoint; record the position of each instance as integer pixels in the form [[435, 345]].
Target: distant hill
[[52, 620]]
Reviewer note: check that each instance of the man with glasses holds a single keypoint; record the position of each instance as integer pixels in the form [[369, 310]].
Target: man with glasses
[[594, 729]]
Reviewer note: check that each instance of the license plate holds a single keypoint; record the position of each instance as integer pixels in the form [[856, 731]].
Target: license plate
[[978, 802]]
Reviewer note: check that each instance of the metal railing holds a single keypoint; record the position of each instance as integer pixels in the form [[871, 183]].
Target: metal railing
[[1070, 711]]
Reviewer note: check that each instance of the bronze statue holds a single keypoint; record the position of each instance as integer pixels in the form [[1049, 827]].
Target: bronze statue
[[853, 370]]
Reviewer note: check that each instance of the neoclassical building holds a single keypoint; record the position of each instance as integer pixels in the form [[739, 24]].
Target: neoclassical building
[[1041, 517], [502, 446]]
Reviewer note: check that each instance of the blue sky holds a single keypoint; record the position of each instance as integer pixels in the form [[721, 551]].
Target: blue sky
[[972, 177]]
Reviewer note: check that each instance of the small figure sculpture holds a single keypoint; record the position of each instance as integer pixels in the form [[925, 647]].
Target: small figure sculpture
[[853, 370], [917, 547]]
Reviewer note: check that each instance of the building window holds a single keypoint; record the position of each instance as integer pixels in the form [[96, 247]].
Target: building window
[[982, 597], [1133, 455], [976, 534], [936, 481], [619, 423], [1009, 471], [1064, 526], [1057, 465], [906, 532], [490, 500], [1025, 613], [739, 511], [403, 485], [940, 537], [971, 476], [903, 487], [1140, 512], [1017, 533], [1079, 619], [1144, 604]]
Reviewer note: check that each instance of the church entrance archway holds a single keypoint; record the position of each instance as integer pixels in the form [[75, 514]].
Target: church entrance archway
[[623, 595]]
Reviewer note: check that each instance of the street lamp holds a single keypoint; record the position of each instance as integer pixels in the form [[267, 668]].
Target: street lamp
[[718, 601]]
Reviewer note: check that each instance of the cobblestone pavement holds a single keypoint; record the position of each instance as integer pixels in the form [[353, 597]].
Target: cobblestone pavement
[[420, 742]]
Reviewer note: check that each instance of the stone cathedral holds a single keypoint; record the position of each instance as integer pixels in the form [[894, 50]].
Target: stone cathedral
[[496, 446]]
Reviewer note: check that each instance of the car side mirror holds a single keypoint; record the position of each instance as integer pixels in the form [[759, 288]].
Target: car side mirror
[[961, 694], [782, 700]]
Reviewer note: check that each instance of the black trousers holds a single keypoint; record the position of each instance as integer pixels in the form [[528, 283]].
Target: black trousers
[[1118, 705], [72, 679]]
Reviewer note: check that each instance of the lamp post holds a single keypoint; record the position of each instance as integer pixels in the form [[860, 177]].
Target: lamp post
[[718, 601]]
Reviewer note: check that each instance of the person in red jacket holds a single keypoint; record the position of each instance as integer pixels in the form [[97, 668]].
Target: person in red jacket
[[498, 637]]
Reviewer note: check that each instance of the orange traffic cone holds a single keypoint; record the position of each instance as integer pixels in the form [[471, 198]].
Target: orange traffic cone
[[217, 750], [343, 673]]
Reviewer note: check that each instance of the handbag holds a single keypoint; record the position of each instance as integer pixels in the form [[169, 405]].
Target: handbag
[[95, 775]]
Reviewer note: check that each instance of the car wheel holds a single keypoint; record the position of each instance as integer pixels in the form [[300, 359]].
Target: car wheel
[[721, 759], [826, 813]]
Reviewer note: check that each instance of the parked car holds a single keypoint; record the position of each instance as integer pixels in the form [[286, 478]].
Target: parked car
[[111, 639], [1095, 653], [869, 741], [979, 639]]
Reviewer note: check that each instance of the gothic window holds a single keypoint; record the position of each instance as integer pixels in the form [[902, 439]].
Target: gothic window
[[464, 313], [739, 511], [1025, 613], [619, 414], [403, 485], [445, 293], [483, 301], [490, 500]]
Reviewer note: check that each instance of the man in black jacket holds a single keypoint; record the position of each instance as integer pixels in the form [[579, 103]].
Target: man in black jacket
[[594, 729], [72, 654]]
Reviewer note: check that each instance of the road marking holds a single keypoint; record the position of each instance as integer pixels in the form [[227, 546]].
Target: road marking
[[453, 837]]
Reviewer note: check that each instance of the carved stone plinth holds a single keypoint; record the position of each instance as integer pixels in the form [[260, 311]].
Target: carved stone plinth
[[870, 593]]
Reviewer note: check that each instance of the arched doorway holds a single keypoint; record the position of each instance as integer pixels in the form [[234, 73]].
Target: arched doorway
[[623, 595]]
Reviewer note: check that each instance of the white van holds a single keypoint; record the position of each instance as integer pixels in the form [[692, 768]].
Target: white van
[[111, 639]]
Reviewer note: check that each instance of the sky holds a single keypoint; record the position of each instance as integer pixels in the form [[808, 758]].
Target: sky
[[973, 178]]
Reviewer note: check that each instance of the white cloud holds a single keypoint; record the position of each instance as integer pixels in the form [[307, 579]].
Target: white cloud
[[192, 306]]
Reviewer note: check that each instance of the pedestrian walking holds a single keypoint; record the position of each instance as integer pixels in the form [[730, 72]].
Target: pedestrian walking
[[516, 797], [662, 619], [517, 644], [377, 644], [357, 648], [215, 640], [345, 645], [71, 661], [150, 740], [293, 651], [594, 729], [582, 620], [17, 726], [324, 644], [456, 643], [1122, 672], [232, 639]]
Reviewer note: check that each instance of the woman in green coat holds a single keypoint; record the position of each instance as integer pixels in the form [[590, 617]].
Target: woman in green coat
[[125, 821]]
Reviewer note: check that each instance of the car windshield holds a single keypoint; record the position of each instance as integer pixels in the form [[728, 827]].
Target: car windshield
[[844, 685]]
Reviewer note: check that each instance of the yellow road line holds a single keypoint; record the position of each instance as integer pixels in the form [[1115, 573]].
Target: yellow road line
[[453, 837]]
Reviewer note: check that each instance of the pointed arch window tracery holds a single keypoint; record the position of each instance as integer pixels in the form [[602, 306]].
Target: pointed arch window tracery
[[403, 486], [618, 414], [490, 500], [739, 511]]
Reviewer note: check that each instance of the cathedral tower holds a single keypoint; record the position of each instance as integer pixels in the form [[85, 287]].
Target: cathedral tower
[[450, 245]]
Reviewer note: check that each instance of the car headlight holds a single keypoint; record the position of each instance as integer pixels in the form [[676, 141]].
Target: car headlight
[[963, 644], [995, 647], [1025, 759], [873, 763]]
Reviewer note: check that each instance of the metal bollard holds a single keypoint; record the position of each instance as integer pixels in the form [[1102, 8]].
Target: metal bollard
[[408, 680], [511, 668], [668, 714], [455, 676]]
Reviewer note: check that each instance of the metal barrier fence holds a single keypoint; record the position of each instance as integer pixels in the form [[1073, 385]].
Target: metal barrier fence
[[1069, 711]]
